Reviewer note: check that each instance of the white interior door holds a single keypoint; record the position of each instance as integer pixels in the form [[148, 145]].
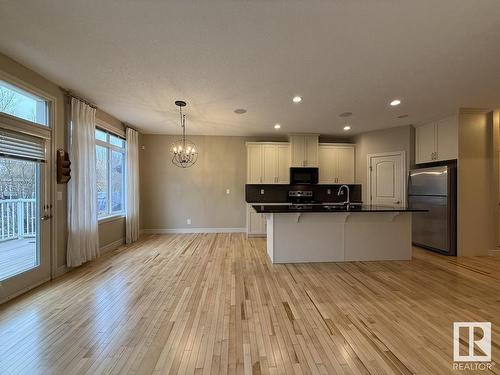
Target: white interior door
[[387, 179]]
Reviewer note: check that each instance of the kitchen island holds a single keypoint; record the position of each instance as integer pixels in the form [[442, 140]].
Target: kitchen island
[[301, 233]]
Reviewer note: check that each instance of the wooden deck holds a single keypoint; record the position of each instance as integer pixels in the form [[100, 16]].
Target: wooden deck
[[214, 304], [16, 256]]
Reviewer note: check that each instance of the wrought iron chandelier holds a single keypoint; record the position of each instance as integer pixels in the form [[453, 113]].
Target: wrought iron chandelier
[[184, 152]]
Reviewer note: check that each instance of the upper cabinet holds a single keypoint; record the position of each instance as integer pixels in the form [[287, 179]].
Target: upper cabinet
[[304, 150], [437, 141], [336, 163], [268, 163], [447, 138], [254, 163]]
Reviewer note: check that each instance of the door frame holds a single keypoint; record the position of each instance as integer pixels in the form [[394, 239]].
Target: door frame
[[49, 133], [402, 156]]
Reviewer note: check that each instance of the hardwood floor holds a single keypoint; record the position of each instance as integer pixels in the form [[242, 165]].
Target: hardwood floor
[[213, 303]]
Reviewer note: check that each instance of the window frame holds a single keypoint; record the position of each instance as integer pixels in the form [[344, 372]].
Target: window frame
[[109, 148], [32, 91]]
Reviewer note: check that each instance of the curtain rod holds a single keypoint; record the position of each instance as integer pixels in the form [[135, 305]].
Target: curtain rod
[[131, 127], [71, 95]]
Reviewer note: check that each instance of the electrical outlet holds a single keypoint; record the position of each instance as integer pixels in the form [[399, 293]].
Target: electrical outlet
[[188, 221], [228, 191], [59, 196], [329, 192], [261, 191]]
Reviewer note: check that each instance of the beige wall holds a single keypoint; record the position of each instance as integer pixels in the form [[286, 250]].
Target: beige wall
[[108, 232], [476, 195], [111, 234], [385, 140], [170, 195]]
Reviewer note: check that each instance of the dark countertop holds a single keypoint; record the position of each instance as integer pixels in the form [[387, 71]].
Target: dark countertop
[[294, 208]]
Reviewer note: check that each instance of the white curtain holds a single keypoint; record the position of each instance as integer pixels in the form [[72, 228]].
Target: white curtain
[[83, 239], [132, 221]]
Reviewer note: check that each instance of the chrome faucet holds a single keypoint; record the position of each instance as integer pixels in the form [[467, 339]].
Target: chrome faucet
[[348, 201]]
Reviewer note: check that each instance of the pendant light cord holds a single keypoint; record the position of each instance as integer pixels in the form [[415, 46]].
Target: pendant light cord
[[183, 126]]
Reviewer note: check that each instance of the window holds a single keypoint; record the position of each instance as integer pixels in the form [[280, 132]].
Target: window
[[110, 169], [22, 104]]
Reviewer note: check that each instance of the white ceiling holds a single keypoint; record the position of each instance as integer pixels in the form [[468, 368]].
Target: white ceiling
[[133, 58]]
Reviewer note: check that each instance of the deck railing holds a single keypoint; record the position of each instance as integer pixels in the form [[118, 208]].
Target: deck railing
[[18, 218]]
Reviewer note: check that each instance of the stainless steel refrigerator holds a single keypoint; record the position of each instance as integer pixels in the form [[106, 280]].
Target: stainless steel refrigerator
[[434, 189]]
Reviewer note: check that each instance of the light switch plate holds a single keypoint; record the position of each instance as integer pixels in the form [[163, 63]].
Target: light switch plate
[[59, 196], [188, 221]]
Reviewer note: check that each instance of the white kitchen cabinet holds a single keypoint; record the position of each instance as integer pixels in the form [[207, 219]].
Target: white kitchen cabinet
[[345, 164], [304, 150], [254, 164], [256, 223], [425, 140], [326, 164], [283, 164], [268, 163], [437, 141], [447, 138], [336, 163]]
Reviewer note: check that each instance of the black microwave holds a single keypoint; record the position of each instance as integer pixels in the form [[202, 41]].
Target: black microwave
[[303, 175]]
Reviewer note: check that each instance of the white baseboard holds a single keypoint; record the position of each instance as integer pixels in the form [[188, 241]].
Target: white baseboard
[[494, 252], [111, 246], [193, 230]]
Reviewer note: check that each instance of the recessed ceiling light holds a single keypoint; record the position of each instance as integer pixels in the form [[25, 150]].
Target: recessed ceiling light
[[277, 126], [240, 111], [297, 99], [395, 102], [347, 127]]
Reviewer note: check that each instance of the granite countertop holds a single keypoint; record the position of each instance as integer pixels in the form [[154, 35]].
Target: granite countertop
[[291, 208]]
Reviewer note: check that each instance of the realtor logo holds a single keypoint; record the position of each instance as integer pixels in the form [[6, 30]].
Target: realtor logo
[[477, 339]]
